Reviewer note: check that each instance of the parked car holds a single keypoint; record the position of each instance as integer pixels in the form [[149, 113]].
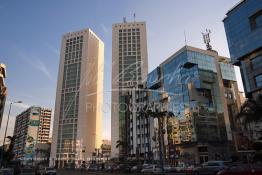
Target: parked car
[[40, 171], [169, 169], [151, 169], [210, 167], [189, 169], [50, 171], [242, 169], [108, 168], [7, 171], [94, 167], [125, 168], [136, 168], [27, 171], [180, 167]]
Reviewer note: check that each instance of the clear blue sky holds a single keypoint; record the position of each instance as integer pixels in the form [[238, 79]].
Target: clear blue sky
[[30, 36]]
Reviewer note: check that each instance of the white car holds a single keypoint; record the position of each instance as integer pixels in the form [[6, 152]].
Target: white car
[[51, 171], [151, 169]]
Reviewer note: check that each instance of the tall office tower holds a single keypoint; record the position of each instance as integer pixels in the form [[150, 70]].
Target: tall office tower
[[129, 67], [79, 98], [243, 26], [3, 90], [199, 88], [31, 127]]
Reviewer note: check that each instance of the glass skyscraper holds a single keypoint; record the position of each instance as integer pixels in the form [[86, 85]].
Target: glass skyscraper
[[243, 26], [203, 96]]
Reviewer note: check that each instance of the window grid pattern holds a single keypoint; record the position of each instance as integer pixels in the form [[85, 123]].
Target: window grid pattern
[[129, 56], [242, 37], [227, 71], [258, 80], [67, 129]]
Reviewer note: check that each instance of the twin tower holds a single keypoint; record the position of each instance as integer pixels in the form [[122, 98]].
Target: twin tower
[[79, 96]]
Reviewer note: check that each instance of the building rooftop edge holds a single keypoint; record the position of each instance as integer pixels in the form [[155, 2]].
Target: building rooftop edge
[[187, 47], [132, 22], [234, 7], [33, 107], [82, 30]]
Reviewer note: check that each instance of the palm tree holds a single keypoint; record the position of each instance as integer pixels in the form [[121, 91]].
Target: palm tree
[[160, 116], [123, 146]]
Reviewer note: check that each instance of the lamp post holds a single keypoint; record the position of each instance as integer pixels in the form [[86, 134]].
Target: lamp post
[[2, 151]]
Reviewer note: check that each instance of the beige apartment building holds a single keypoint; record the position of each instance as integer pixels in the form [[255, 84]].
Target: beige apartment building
[[32, 127], [79, 99], [3, 90], [129, 68]]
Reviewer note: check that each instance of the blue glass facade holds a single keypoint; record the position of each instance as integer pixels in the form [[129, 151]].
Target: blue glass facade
[[193, 81], [243, 26], [153, 78], [189, 67], [227, 71], [176, 78], [259, 80], [190, 79]]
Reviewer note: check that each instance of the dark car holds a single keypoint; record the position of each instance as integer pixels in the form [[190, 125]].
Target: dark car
[[7, 171], [94, 167], [136, 169], [27, 171], [124, 168], [210, 167], [242, 169]]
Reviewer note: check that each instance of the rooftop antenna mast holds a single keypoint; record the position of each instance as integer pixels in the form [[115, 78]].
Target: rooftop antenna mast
[[206, 38], [185, 37], [124, 19], [134, 15]]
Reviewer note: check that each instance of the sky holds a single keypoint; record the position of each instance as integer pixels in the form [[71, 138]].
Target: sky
[[31, 32]]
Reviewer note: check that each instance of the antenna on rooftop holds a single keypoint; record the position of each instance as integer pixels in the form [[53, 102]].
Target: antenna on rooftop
[[124, 19], [134, 15], [206, 38], [185, 37]]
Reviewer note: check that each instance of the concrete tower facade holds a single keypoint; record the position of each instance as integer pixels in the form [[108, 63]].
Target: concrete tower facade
[[79, 98], [129, 68]]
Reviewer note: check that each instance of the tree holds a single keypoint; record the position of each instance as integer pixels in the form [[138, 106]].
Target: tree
[[8, 153], [250, 112], [124, 147], [160, 116]]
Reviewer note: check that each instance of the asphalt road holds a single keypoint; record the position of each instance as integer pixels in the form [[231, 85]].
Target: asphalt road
[[78, 172]]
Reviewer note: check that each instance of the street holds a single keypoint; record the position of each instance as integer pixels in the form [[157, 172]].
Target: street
[[79, 172]]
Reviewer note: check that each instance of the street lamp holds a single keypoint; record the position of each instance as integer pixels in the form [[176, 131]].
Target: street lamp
[[2, 151]]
